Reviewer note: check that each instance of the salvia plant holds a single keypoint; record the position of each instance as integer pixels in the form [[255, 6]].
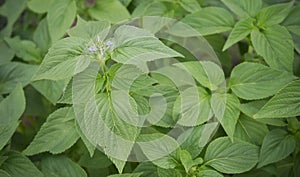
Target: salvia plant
[[150, 88]]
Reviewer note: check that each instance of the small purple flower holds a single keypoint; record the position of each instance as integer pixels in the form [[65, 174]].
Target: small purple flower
[[92, 49], [109, 43]]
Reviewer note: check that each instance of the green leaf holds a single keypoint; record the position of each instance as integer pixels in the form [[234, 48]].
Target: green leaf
[[275, 45], [6, 132], [190, 5], [292, 22], [41, 36], [54, 166], [19, 165], [106, 10], [4, 174], [192, 107], [126, 175], [231, 157], [195, 139], [56, 135], [250, 130], [274, 14], [90, 30], [147, 168], [244, 8], [7, 54], [60, 17], [13, 73], [39, 6], [207, 73], [277, 145], [134, 44], [255, 81], [240, 31], [226, 109], [98, 159], [284, 104], [187, 161], [168, 172], [63, 60], [210, 20], [208, 173], [52, 90], [153, 8]]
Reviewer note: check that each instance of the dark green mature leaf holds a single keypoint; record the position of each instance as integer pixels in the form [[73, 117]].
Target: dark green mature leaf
[[292, 22], [256, 81], [149, 170], [98, 159], [13, 73], [277, 145], [4, 173], [240, 31], [59, 166], [60, 17], [285, 103], [250, 130], [56, 135], [275, 45], [110, 10], [244, 8], [63, 60], [127, 175], [207, 73], [135, 44], [11, 109], [210, 20], [24, 49], [226, 109], [231, 157], [274, 14], [19, 165]]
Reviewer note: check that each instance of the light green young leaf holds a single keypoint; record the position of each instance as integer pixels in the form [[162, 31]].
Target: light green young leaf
[[63, 59], [250, 130], [54, 166], [207, 73], [56, 135], [39, 6], [90, 30], [255, 81], [284, 104], [60, 17], [276, 46], [231, 157], [110, 10], [240, 31], [226, 109], [13, 73], [190, 5], [41, 36], [244, 8], [274, 14], [24, 49], [11, 109], [187, 161], [134, 44], [277, 145], [50, 89], [19, 165], [210, 20]]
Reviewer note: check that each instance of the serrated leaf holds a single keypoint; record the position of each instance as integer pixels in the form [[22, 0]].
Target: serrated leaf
[[89, 30], [4, 174], [240, 31], [284, 104], [210, 20], [103, 10], [207, 73], [60, 17], [226, 109], [273, 14], [231, 157], [63, 59], [255, 81], [277, 145], [56, 135], [244, 8], [134, 44], [19, 165], [250, 130], [54, 166], [13, 73]]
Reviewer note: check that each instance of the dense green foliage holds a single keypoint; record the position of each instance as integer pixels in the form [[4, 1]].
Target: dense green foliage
[[76, 73]]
